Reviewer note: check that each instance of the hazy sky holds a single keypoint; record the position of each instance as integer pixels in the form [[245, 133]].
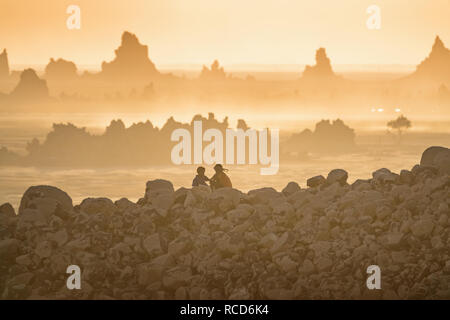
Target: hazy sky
[[233, 31]]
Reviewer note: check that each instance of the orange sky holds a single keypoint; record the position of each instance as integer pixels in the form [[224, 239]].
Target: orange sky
[[233, 31]]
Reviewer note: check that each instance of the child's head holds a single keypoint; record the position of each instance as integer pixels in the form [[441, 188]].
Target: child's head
[[201, 171], [218, 168]]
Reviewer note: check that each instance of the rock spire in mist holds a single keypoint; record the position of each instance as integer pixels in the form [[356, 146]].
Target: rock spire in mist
[[322, 68], [60, 70], [216, 72], [131, 60], [30, 87], [437, 65], [4, 65]]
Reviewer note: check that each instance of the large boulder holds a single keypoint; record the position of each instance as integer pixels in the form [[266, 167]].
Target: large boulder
[[437, 157], [44, 201], [161, 194], [337, 175], [430, 154]]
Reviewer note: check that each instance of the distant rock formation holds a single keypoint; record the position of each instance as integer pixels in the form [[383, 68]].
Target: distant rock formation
[[60, 70], [131, 61], [4, 65], [322, 69], [436, 66], [334, 137], [30, 87], [216, 72]]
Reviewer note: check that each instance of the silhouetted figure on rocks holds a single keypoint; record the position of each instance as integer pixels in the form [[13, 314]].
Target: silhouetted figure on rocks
[[200, 179], [220, 179]]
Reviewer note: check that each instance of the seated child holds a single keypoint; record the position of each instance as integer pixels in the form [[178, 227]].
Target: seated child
[[200, 179]]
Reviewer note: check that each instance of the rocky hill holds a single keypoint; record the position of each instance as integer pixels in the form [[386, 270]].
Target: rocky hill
[[313, 243]]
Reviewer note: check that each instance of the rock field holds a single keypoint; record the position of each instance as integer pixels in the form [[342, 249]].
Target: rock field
[[313, 243]]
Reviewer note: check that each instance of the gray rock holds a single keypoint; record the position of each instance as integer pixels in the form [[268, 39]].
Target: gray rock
[[9, 249], [152, 244], [315, 181], [7, 211], [263, 195], [291, 188], [384, 175], [429, 155], [337, 175], [98, 205], [422, 228], [45, 199], [157, 187], [125, 205], [406, 177], [44, 249]]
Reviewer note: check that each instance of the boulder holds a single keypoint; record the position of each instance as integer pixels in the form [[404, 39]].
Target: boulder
[[224, 199], [263, 195], [9, 249], [384, 175], [125, 205], [45, 199], [422, 228], [337, 175], [315, 181], [291, 188], [7, 211], [430, 154], [98, 205], [152, 244], [161, 194], [157, 187], [406, 177]]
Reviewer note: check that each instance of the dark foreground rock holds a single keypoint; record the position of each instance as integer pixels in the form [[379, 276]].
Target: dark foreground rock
[[313, 243]]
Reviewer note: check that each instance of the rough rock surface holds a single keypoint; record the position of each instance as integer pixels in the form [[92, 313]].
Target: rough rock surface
[[313, 243]]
